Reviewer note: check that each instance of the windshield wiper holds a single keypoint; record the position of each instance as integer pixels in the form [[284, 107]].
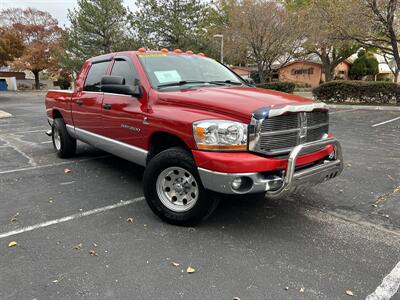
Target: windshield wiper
[[178, 83], [184, 82], [222, 82]]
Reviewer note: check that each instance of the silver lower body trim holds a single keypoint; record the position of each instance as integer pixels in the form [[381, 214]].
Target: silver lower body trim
[[123, 150], [71, 131], [222, 182]]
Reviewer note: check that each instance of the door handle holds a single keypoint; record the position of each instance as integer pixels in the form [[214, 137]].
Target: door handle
[[79, 102], [106, 106]]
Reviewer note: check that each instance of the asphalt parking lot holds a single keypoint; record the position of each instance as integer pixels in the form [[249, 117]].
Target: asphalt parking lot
[[83, 230]]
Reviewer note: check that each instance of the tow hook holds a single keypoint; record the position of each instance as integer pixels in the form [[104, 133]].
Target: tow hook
[[48, 132]]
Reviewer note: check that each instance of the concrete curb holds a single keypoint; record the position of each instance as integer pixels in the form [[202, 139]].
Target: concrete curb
[[366, 107]]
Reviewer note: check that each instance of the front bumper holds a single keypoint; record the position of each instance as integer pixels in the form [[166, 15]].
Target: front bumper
[[285, 182]]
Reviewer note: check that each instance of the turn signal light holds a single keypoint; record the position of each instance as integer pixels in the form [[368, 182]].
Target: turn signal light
[[201, 54]]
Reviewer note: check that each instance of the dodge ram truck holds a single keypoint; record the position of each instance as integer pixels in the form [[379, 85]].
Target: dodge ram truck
[[199, 130]]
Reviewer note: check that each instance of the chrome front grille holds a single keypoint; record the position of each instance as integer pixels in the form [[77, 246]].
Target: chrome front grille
[[278, 135]]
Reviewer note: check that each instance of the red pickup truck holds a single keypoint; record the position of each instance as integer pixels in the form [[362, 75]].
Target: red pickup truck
[[196, 127]]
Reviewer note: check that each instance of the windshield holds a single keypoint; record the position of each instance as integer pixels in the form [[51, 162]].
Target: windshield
[[185, 70]]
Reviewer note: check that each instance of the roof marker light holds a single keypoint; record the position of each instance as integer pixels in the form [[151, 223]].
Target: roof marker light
[[178, 51], [142, 50], [164, 50], [201, 54], [189, 52]]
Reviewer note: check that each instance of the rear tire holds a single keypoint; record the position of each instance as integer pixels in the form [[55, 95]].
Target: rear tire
[[64, 144], [173, 189]]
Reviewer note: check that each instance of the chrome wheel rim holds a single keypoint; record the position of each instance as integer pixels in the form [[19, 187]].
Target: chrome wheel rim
[[177, 189], [56, 138]]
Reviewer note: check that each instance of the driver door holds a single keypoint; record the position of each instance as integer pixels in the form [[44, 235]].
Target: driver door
[[122, 115]]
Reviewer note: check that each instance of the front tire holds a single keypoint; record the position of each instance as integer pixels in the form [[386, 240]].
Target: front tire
[[64, 144], [173, 189]]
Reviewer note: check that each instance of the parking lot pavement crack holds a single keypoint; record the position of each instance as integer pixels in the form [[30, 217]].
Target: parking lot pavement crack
[[356, 219], [382, 198]]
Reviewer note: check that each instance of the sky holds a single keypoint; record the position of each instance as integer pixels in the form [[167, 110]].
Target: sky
[[57, 8]]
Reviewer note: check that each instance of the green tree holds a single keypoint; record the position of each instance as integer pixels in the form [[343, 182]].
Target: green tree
[[374, 23], [171, 24], [365, 64], [97, 27]]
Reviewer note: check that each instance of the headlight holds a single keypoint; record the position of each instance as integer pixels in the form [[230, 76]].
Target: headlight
[[220, 135]]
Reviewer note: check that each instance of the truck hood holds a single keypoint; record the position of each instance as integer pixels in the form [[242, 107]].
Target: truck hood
[[238, 101]]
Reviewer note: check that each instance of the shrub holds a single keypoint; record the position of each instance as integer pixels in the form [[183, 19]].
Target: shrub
[[287, 87], [365, 64], [368, 92]]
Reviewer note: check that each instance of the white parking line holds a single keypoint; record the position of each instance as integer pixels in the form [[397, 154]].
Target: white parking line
[[52, 165], [23, 132], [389, 286], [70, 217], [389, 121]]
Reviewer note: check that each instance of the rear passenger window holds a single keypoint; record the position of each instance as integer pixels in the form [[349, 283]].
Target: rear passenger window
[[97, 70], [124, 69]]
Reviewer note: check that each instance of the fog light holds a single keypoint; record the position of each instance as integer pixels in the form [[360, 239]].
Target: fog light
[[236, 183]]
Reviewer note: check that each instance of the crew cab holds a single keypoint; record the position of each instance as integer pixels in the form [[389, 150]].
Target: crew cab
[[198, 129]]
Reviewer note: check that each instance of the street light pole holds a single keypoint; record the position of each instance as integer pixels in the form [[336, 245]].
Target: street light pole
[[221, 36]]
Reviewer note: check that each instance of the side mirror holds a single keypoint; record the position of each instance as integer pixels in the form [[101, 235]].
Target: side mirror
[[249, 81], [116, 85]]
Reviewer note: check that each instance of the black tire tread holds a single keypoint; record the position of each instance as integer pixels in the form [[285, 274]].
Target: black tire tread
[[68, 143]]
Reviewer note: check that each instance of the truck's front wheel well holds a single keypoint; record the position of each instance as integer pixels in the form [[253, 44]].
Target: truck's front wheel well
[[161, 141], [57, 114]]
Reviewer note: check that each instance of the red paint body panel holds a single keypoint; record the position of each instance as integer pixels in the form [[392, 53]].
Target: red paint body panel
[[239, 102], [172, 112], [245, 162]]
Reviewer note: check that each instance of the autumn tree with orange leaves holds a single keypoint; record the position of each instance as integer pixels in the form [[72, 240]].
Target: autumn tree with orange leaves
[[11, 46], [41, 36]]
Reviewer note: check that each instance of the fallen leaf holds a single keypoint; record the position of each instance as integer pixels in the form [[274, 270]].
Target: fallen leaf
[[175, 264], [349, 293], [66, 171], [286, 288], [349, 165], [190, 270], [374, 205], [129, 220], [79, 246], [236, 298], [92, 253], [14, 218], [55, 281], [94, 245], [301, 290], [12, 244]]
